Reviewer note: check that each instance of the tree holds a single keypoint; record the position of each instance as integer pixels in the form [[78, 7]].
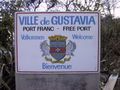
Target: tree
[[7, 75]]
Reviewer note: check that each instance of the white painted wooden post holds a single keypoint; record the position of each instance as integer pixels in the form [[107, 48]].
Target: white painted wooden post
[[111, 82]]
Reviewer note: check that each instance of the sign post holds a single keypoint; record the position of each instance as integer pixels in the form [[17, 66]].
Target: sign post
[[50, 44]]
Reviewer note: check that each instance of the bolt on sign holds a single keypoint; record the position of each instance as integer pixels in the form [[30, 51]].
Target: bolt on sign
[[57, 42]]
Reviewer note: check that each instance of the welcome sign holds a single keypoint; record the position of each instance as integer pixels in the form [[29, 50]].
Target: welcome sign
[[57, 42]]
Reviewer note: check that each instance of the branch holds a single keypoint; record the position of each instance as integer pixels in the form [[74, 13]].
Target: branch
[[111, 50]]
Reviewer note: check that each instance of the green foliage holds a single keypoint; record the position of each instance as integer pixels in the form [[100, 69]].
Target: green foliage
[[110, 44], [6, 53]]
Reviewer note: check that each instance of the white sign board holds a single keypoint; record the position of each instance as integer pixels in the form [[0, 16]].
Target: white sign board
[[57, 42]]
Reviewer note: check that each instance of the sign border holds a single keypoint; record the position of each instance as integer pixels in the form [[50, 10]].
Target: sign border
[[55, 72]]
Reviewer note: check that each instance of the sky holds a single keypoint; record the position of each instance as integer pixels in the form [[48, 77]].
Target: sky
[[117, 12]]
